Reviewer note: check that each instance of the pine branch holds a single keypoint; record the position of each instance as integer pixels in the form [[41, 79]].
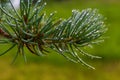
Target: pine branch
[[30, 28]]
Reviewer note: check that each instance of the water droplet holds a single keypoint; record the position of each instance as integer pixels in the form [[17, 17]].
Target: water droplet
[[45, 3], [51, 14], [60, 19], [39, 1], [70, 21], [35, 9], [73, 10], [44, 14], [72, 24], [87, 14], [80, 18], [55, 11], [62, 38], [21, 1]]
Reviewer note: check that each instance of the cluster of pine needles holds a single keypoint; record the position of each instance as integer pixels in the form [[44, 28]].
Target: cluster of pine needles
[[29, 27]]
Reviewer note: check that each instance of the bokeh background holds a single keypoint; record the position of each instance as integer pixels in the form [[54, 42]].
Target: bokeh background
[[54, 66]]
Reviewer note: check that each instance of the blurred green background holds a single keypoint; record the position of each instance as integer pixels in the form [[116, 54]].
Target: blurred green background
[[54, 66]]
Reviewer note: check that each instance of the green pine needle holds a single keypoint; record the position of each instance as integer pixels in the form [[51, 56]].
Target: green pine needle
[[30, 28]]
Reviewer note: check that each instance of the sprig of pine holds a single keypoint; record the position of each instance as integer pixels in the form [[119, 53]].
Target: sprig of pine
[[30, 28]]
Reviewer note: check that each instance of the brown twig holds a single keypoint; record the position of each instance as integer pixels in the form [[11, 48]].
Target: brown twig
[[4, 34]]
